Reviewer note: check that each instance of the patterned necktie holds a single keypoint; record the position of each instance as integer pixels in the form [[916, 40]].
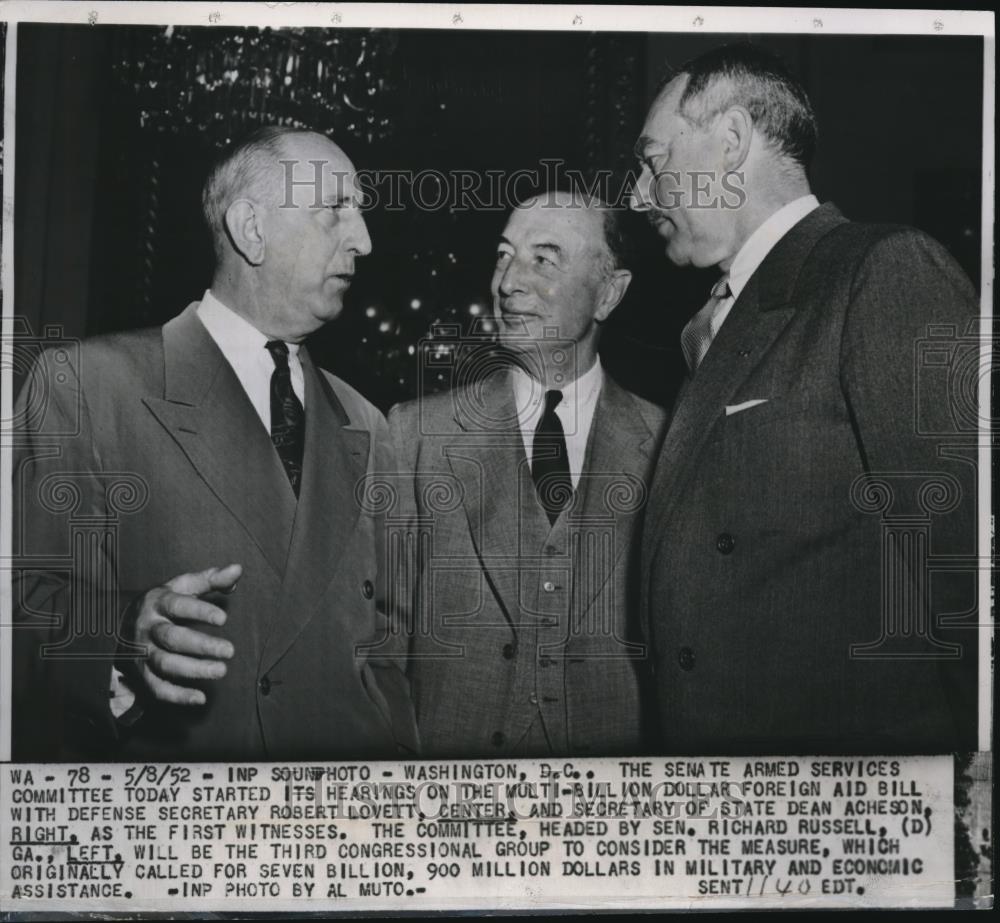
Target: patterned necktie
[[696, 336], [288, 419], [549, 461]]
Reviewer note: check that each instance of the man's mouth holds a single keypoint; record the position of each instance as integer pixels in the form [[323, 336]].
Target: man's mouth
[[661, 222], [516, 311], [345, 277]]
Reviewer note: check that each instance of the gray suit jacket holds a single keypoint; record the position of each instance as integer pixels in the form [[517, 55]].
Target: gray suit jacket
[[147, 441], [785, 591], [504, 606]]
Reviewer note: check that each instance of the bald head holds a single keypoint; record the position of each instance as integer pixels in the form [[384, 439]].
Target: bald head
[[252, 169]]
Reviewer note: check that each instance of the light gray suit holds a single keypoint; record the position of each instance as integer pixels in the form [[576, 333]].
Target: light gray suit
[[522, 637], [151, 434]]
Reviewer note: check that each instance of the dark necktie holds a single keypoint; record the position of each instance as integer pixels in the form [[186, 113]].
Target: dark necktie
[[549, 461], [288, 419]]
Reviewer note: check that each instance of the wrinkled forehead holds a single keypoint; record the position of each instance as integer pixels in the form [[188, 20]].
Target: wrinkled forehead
[[312, 168], [664, 120], [556, 218]]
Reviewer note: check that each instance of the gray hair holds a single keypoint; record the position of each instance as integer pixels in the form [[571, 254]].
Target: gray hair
[[244, 169], [750, 76]]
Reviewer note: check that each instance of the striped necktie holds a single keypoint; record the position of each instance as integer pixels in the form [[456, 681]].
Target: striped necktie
[[697, 334]]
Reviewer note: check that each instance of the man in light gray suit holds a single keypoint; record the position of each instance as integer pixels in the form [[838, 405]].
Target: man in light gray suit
[[809, 546], [527, 485], [207, 470]]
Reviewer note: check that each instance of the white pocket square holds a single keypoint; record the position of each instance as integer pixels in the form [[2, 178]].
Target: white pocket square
[[746, 405]]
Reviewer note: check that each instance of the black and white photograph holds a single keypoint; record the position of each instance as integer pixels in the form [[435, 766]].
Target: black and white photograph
[[476, 430]]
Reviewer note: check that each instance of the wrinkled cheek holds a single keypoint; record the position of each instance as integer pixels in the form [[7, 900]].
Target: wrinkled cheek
[[668, 192]]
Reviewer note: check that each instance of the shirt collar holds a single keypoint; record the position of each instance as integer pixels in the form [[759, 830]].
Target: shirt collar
[[239, 340], [528, 392], [761, 242]]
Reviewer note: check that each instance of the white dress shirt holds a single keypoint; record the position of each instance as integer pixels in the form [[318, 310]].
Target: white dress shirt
[[758, 245], [244, 347], [575, 411]]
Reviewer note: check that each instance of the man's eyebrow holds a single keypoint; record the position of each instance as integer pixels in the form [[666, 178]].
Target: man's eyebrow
[[555, 248], [334, 198], [639, 148], [503, 240]]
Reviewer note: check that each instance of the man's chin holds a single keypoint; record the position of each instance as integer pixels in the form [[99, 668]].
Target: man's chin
[[676, 254]]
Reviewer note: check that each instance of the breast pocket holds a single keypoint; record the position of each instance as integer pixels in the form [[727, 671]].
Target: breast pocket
[[775, 410]]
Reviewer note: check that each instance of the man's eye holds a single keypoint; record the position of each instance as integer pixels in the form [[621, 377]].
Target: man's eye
[[502, 256], [543, 260]]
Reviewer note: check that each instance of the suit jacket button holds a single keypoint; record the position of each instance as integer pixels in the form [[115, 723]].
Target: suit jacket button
[[497, 739], [508, 651], [368, 589], [685, 657], [264, 685], [725, 543]]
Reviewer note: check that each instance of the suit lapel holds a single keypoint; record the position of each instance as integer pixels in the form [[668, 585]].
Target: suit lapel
[[335, 460], [758, 318], [208, 413], [613, 487], [488, 463]]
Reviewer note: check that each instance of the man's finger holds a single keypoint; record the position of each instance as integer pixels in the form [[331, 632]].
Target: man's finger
[[214, 579], [225, 578], [178, 667], [189, 608], [168, 692], [179, 639]]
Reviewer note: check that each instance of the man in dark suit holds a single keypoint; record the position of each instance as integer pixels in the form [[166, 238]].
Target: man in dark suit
[[798, 509], [527, 484], [204, 454]]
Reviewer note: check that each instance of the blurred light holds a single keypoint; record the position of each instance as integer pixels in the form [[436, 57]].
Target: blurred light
[[475, 309], [370, 311], [384, 327], [415, 304], [411, 349]]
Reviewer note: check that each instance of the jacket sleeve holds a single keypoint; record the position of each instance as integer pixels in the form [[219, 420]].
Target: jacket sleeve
[[387, 654], [910, 374], [66, 610]]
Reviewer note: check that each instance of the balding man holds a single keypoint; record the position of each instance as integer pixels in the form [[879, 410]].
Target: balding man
[[527, 484], [243, 575], [809, 546]]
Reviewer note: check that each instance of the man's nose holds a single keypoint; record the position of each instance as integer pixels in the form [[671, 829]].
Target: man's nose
[[510, 278], [359, 240], [638, 198]]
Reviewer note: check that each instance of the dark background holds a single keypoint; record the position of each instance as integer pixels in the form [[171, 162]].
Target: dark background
[[107, 223]]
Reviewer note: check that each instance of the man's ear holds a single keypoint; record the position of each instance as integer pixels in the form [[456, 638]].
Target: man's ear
[[735, 129], [243, 227], [614, 292]]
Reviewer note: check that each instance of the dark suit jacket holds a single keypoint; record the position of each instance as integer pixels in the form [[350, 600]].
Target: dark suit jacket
[[479, 638], [782, 578], [148, 441]]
